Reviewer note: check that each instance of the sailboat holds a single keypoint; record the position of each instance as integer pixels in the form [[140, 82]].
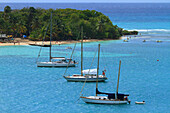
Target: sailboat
[[56, 61], [111, 98], [42, 45], [88, 75]]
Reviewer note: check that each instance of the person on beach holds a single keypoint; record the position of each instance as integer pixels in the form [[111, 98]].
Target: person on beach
[[56, 42], [18, 42]]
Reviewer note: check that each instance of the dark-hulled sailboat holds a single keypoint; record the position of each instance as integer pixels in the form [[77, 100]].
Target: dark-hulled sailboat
[[111, 98]]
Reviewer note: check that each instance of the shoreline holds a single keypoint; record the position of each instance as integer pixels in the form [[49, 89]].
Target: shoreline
[[20, 41]]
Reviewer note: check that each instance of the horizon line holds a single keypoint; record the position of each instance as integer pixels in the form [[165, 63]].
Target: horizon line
[[85, 2]]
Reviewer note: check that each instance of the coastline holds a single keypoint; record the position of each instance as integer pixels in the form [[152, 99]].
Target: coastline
[[20, 41]]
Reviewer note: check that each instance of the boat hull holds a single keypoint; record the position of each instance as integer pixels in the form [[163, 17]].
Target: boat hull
[[53, 64], [40, 45], [139, 102], [102, 101], [85, 79]]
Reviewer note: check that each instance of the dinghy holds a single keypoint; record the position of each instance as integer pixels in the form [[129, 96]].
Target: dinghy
[[125, 40], [158, 41], [144, 40], [140, 102]]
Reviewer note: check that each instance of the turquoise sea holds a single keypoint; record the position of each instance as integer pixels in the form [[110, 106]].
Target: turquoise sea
[[145, 70]]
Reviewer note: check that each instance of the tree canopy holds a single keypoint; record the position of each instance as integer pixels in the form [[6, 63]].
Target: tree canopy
[[66, 24]]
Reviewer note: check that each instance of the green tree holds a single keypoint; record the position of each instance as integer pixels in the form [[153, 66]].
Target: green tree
[[66, 24], [7, 9]]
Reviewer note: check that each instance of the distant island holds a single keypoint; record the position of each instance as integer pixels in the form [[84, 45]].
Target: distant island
[[32, 23]]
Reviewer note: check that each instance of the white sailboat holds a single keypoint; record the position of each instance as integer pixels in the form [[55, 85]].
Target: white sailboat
[[111, 98], [56, 61], [59, 62], [89, 75]]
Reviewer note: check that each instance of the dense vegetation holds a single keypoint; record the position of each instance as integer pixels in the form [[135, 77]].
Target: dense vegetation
[[125, 32], [66, 24]]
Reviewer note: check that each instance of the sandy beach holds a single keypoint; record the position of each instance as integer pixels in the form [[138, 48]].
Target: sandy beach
[[20, 41]]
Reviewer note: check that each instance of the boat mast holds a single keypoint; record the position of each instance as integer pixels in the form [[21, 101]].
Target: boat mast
[[50, 35], [118, 79], [98, 68], [81, 50]]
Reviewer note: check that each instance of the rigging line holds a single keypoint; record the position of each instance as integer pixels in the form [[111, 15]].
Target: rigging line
[[105, 62], [70, 59], [88, 73], [59, 78], [77, 42], [86, 78], [77, 100], [42, 43], [76, 56]]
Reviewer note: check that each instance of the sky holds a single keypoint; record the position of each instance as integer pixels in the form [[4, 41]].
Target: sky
[[85, 1]]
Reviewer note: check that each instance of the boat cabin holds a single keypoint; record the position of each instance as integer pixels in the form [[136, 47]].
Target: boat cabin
[[62, 59], [113, 96]]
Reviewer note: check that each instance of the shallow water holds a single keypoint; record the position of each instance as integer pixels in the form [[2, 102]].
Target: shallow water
[[27, 88]]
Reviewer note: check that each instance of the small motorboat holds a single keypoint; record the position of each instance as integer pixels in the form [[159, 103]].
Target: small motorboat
[[158, 41], [144, 40], [125, 40], [68, 48], [143, 102]]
